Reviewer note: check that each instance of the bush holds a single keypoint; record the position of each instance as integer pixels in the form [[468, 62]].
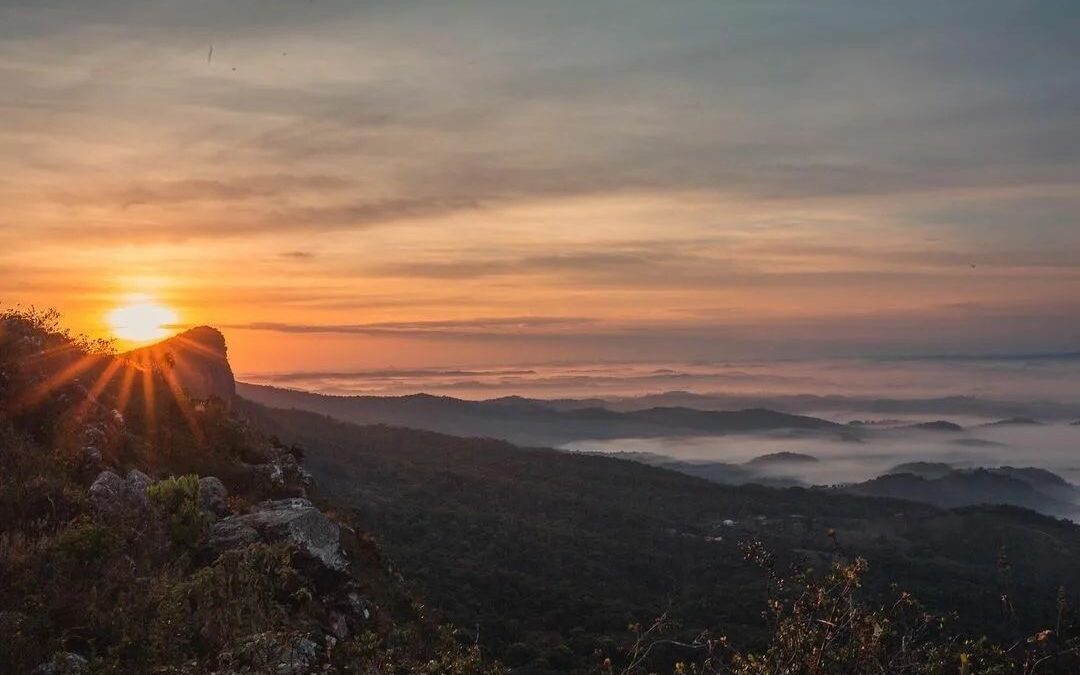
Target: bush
[[178, 499]]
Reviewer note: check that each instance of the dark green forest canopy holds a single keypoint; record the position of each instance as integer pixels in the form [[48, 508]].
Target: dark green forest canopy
[[550, 554]]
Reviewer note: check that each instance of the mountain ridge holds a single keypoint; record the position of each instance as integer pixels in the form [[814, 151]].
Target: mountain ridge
[[530, 421]]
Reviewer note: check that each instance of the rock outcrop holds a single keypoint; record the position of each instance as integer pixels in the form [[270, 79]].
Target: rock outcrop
[[273, 653], [198, 358], [64, 663], [295, 521], [213, 492], [121, 498]]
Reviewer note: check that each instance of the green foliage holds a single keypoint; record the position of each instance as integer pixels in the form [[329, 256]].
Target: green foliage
[[84, 543], [144, 595], [542, 549], [825, 625], [396, 652], [240, 594], [178, 499]]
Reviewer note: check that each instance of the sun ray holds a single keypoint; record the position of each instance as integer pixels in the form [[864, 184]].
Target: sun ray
[[126, 384], [184, 404], [148, 397], [64, 376], [99, 385]]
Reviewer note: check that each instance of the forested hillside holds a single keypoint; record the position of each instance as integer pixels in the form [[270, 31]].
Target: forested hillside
[[550, 555], [147, 530], [143, 531]]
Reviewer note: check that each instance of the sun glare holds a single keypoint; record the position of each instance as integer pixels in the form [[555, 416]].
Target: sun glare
[[141, 319]]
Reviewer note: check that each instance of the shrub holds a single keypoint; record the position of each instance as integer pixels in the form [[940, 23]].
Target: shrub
[[178, 499]]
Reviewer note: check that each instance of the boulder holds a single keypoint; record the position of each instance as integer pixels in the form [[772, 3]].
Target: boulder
[[63, 663], [227, 534], [138, 481], [116, 497], [272, 653], [295, 521], [212, 492]]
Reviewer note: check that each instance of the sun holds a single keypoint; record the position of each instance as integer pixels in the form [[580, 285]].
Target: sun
[[141, 319]]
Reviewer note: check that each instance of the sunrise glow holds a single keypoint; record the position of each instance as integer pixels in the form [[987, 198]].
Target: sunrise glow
[[141, 319]]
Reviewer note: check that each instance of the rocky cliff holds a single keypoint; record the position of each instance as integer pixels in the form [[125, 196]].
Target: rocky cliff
[[198, 358]]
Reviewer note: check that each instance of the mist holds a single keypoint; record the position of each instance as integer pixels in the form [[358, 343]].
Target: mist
[[1055, 448]]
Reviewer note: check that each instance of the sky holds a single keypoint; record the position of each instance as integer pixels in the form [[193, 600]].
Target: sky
[[373, 184]]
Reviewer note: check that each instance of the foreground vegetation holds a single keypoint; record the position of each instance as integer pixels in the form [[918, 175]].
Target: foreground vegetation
[[547, 556], [117, 492], [139, 588]]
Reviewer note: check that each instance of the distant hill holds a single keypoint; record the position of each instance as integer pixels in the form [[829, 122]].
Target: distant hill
[[928, 470], [941, 485], [523, 543], [1015, 422], [939, 425], [775, 458], [529, 421], [198, 358], [811, 404]]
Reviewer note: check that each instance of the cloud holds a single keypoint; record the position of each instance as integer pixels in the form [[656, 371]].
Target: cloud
[[481, 327], [638, 157]]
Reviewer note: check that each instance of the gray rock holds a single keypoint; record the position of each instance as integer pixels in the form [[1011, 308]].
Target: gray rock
[[271, 653], [63, 663], [91, 457], [228, 533], [212, 492], [139, 481], [116, 497], [297, 522]]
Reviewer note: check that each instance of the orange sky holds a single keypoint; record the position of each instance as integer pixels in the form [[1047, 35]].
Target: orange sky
[[361, 184]]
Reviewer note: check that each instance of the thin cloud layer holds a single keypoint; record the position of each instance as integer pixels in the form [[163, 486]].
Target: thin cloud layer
[[638, 165]]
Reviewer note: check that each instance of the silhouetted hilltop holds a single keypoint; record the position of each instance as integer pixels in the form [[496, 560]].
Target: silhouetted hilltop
[[524, 542], [529, 421], [142, 531], [941, 485], [938, 425], [928, 470], [783, 458], [1015, 422], [199, 359]]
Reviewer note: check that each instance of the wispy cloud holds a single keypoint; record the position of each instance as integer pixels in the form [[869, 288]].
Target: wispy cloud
[[636, 164]]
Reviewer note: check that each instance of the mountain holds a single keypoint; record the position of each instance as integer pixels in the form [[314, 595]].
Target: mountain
[[928, 470], [782, 458], [941, 485], [811, 404], [1014, 422], [145, 531], [532, 422], [198, 358], [718, 472], [550, 553], [939, 425], [145, 528]]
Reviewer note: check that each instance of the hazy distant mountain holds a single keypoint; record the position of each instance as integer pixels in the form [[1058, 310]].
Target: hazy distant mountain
[[1015, 422], [939, 425], [532, 422], [929, 470], [811, 404], [941, 485], [197, 357], [779, 458], [524, 542]]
